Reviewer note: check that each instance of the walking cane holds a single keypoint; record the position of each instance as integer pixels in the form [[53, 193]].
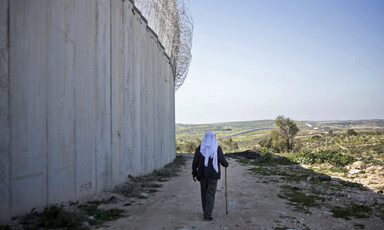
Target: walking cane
[[226, 192]]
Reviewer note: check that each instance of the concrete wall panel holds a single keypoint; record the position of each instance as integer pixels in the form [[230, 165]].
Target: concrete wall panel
[[4, 111], [129, 96], [103, 97], [172, 121], [149, 101], [137, 53], [167, 112], [59, 73], [144, 98], [117, 84], [163, 112], [165, 108], [124, 155], [159, 109], [28, 175], [85, 82], [156, 106], [168, 91]]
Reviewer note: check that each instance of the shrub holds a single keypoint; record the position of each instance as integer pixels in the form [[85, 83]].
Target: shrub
[[297, 145], [351, 132], [264, 158], [190, 147], [352, 210], [317, 138], [338, 170], [229, 145], [305, 157], [269, 158], [265, 150], [266, 142], [323, 156], [335, 158]]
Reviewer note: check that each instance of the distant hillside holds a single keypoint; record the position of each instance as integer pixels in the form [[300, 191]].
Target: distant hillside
[[196, 131], [189, 132], [225, 126], [348, 124]]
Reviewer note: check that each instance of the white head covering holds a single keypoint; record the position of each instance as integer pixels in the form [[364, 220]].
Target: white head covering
[[209, 148]]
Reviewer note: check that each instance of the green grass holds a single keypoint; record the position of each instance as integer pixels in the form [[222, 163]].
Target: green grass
[[302, 193], [169, 171], [299, 200], [297, 174], [53, 217], [303, 199], [338, 170], [97, 216], [352, 185], [360, 226], [285, 172], [244, 161], [56, 217], [140, 187], [352, 210]]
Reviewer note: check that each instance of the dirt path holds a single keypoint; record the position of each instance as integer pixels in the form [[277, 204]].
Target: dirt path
[[252, 205]]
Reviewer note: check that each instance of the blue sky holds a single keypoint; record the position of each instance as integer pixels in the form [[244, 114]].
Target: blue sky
[[307, 60]]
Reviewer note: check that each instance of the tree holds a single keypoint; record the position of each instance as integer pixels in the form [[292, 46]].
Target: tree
[[351, 132], [288, 129], [278, 143], [266, 142]]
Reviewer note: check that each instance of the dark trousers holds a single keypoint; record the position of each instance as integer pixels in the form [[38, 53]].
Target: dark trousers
[[208, 191]]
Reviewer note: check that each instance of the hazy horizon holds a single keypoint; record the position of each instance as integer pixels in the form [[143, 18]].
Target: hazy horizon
[[307, 60]]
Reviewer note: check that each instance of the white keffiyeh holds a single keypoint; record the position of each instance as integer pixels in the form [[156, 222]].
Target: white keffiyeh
[[208, 149]]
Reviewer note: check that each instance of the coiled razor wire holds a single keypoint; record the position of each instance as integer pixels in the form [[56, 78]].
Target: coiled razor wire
[[172, 21]]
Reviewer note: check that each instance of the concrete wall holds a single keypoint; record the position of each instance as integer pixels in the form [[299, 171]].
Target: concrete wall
[[86, 99], [4, 110]]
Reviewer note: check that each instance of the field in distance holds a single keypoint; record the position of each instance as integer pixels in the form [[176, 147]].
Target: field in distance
[[352, 150], [249, 140]]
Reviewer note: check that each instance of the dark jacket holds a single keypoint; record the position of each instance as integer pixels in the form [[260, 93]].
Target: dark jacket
[[200, 171]]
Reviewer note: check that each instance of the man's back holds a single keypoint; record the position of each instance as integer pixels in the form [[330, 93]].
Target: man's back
[[200, 171]]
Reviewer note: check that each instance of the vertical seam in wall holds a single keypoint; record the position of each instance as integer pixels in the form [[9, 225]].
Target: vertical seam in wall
[[110, 86], [9, 104], [153, 104], [141, 98], [96, 79], [124, 72], [74, 104], [46, 115]]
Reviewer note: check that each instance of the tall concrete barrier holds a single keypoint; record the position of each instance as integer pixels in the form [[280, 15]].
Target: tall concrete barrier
[[86, 99]]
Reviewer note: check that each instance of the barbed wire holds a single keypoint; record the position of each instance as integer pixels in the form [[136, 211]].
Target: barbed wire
[[172, 21]]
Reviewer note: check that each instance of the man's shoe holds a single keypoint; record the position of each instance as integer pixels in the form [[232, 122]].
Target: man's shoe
[[208, 218]]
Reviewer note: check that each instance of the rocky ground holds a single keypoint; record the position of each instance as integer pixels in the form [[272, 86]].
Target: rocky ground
[[274, 194], [371, 176]]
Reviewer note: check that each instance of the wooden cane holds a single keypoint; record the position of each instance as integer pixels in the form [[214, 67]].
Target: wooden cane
[[226, 192]]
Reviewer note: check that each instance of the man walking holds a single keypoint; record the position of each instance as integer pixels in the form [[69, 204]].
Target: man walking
[[206, 169]]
